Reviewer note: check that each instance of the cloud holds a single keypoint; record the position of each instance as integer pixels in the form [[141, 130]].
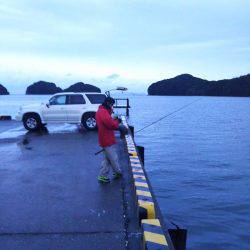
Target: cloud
[[6, 10], [140, 40], [113, 76]]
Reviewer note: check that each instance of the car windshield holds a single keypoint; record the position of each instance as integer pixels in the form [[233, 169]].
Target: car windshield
[[96, 98]]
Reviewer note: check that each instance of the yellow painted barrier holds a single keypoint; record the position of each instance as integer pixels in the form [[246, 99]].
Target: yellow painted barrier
[[135, 157], [136, 176], [153, 235], [145, 203], [135, 160], [132, 153], [143, 193], [135, 170], [141, 184], [135, 163], [146, 210]]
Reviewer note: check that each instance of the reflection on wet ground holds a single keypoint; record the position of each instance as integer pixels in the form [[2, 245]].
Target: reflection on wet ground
[[12, 129], [49, 191]]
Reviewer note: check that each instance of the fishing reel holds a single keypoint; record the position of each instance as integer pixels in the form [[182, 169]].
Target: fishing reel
[[117, 117]]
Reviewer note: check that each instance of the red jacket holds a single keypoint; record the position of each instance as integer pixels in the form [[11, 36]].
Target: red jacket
[[106, 126]]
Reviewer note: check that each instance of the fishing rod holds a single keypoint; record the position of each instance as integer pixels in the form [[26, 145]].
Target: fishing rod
[[167, 115], [98, 152], [160, 119]]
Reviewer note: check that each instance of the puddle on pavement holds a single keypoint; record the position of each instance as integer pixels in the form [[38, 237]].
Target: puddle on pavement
[[51, 129], [13, 133], [10, 151]]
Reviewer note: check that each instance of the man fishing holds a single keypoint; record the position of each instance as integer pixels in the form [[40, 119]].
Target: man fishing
[[106, 137]]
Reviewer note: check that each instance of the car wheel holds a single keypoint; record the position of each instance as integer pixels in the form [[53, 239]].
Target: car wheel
[[32, 122], [89, 122]]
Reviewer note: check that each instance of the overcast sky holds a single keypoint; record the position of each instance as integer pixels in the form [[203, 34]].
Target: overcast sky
[[121, 42]]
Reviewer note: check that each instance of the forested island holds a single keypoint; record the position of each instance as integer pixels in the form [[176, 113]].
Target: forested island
[[82, 87], [3, 90], [48, 88], [181, 85], [188, 85], [42, 88]]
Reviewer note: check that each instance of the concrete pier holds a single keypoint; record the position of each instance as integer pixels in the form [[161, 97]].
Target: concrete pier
[[50, 197]]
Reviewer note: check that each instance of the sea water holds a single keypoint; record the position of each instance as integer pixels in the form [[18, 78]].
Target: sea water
[[198, 162]]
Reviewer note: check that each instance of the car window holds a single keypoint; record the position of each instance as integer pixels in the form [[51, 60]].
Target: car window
[[96, 98], [58, 100], [76, 99]]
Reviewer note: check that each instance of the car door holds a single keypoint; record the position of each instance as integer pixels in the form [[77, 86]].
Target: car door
[[56, 111], [75, 108]]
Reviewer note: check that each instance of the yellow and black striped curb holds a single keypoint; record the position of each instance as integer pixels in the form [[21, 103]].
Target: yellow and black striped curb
[[153, 235], [145, 203], [5, 117]]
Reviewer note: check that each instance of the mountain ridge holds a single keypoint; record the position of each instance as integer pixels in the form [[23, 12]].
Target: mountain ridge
[[188, 85]]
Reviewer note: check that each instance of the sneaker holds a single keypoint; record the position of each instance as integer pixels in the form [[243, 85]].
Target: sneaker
[[117, 175], [103, 179]]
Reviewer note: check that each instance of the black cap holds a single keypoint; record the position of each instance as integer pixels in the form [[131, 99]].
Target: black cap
[[109, 101]]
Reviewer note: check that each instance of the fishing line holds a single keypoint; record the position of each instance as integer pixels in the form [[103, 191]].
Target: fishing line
[[167, 115]]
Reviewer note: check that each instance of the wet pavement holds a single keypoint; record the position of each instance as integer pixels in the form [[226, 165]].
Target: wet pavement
[[50, 197]]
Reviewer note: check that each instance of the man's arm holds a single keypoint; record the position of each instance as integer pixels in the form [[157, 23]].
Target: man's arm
[[109, 122]]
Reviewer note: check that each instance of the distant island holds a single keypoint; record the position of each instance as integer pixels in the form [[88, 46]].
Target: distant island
[[42, 88], [188, 85], [3, 90], [82, 87], [49, 88]]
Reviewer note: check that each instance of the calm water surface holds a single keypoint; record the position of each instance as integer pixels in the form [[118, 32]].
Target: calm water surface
[[198, 161]]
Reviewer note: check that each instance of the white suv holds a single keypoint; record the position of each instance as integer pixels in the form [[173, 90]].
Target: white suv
[[63, 108]]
